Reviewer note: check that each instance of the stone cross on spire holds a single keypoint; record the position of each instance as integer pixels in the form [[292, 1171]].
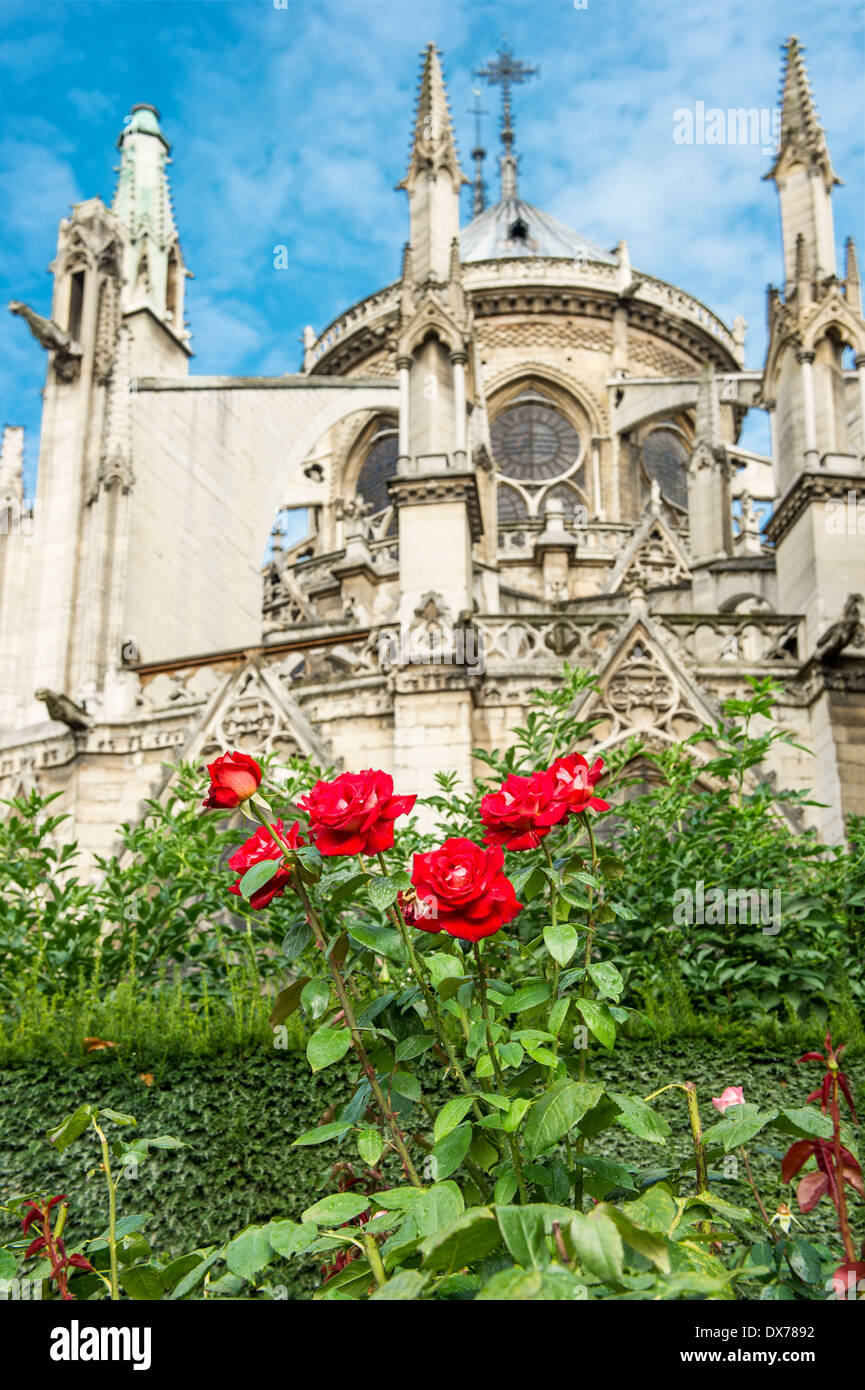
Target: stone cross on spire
[[507, 71]]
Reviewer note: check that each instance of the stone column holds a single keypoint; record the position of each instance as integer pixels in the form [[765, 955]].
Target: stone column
[[403, 368], [812, 457]]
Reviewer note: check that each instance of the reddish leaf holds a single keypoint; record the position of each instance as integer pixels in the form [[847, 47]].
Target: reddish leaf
[[812, 1187], [38, 1244], [795, 1158]]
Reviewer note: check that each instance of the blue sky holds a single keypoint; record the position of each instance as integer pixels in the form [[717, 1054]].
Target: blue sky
[[291, 126]]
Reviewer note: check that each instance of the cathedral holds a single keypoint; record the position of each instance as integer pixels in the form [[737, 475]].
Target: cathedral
[[523, 450]]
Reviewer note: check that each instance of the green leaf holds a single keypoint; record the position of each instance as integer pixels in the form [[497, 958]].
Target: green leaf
[[557, 1111], [510, 1054], [289, 1238], [64, 1134], [407, 1284], [384, 941], [597, 1245], [249, 1252], [561, 941], [326, 1046], [369, 1146], [804, 1123], [599, 1021], [8, 1264], [142, 1282], [517, 1112], [451, 1115], [414, 1046], [438, 1207], [524, 1232], [287, 1001], [382, 892], [470, 1238], [611, 867], [315, 997], [118, 1117], [528, 997], [738, 1126], [336, 1209], [607, 979], [450, 1152], [256, 877], [322, 1133], [296, 940], [553, 1284], [804, 1261], [406, 1085], [640, 1118], [652, 1247], [558, 1014], [191, 1280]]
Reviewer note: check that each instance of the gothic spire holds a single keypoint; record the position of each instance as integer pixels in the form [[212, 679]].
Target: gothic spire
[[433, 143], [505, 72], [802, 136], [803, 175], [142, 201], [153, 264]]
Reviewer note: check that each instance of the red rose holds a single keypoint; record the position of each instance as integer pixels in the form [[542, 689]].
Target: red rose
[[234, 777], [472, 896], [575, 782], [261, 846], [522, 811], [354, 814]]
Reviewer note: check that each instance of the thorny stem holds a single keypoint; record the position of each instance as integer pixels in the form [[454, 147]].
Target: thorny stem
[[112, 1212], [374, 1256], [590, 931], [841, 1200], [753, 1187], [342, 994], [491, 1049]]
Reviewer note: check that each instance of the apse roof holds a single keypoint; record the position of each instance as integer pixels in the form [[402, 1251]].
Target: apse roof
[[515, 228]]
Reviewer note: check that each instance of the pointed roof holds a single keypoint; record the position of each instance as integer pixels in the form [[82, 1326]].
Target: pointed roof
[[801, 133], [513, 227], [433, 142], [142, 200]]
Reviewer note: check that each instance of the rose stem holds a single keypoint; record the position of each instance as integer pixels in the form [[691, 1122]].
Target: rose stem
[[491, 1049], [342, 994]]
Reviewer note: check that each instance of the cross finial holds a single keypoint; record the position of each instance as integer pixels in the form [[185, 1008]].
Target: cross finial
[[506, 71]]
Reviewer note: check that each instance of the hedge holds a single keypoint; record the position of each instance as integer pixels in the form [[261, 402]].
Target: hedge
[[240, 1115]]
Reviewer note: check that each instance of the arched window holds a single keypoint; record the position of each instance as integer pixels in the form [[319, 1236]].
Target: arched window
[[665, 455], [535, 444], [511, 504], [377, 467]]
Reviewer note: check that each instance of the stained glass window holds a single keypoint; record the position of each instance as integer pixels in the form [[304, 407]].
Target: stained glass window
[[533, 441], [665, 454], [378, 466], [511, 505]]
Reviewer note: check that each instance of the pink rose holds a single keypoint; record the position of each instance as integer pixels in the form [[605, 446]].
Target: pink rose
[[733, 1095]]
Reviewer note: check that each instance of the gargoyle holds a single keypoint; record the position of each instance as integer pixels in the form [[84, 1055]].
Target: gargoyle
[[64, 710], [849, 629], [52, 337]]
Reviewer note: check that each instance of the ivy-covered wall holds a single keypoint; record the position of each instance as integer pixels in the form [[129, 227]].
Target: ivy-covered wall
[[239, 1117]]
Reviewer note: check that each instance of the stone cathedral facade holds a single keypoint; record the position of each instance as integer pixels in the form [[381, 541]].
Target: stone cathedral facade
[[521, 450]]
